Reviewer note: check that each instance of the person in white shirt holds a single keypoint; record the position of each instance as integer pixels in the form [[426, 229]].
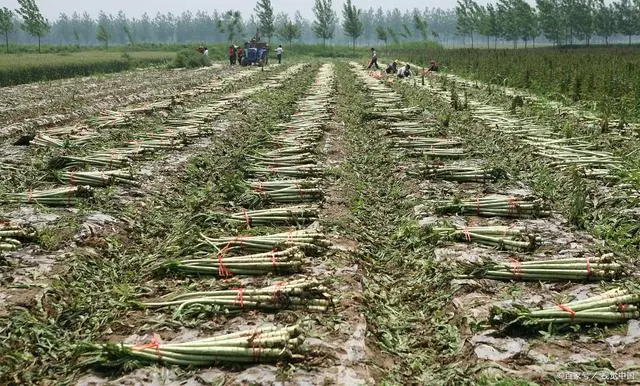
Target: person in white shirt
[[374, 59], [404, 72], [206, 52], [279, 52]]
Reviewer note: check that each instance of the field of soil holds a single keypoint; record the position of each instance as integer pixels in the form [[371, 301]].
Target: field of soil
[[312, 223]]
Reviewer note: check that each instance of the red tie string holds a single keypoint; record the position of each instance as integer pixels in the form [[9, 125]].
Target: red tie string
[[240, 297], [467, 235], [223, 271], [622, 308], [30, 195], [111, 157], [300, 193], [589, 273], [71, 177], [516, 267], [567, 309], [478, 206], [247, 219], [277, 292], [155, 344], [513, 205], [272, 169], [273, 258], [256, 346], [260, 190], [510, 227], [102, 177]]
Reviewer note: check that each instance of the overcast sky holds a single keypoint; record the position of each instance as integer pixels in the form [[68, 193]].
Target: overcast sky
[[52, 8]]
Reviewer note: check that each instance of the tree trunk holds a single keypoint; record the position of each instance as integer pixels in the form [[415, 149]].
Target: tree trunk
[[533, 42], [6, 40], [606, 40], [471, 39], [488, 43], [629, 39], [525, 44], [39, 43], [495, 43]]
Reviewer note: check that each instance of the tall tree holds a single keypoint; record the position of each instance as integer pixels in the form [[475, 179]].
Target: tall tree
[[604, 21], [420, 23], [467, 18], [104, 33], [325, 22], [352, 25], [33, 22], [230, 23], [626, 18], [264, 11], [551, 20], [288, 30], [393, 35], [381, 34], [6, 24]]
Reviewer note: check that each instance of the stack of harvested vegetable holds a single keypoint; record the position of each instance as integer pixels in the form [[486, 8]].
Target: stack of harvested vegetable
[[496, 205], [12, 235], [114, 159], [613, 306], [59, 196], [500, 237], [458, 173], [258, 345], [274, 261], [425, 143], [291, 215], [298, 171], [110, 119], [574, 269], [101, 178], [280, 192], [298, 294], [303, 238]]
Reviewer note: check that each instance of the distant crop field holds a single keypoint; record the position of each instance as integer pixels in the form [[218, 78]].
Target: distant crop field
[[25, 68]]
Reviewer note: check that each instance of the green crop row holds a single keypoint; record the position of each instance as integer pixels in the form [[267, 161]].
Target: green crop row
[[25, 68], [608, 76]]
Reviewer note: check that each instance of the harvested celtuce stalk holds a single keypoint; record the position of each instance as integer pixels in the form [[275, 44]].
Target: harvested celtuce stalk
[[292, 215], [500, 237], [304, 239], [280, 192], [425, 144], [109, 119], [299, 171], [572, 269], [277, 262], [11, 236], [613, 306], [101, 178], [458, 173], [105, 160], [497, 206], [299, 294], [436, 152], [258, 345], [60, 196], [279, 161]]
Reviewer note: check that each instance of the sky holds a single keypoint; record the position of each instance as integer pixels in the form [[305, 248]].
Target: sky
[[134, 8]]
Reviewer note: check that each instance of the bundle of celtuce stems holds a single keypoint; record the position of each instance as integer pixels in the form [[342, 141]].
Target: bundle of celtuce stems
[[59, 196], [298, 171], [280, 192], [614, 306], [104, 160], [497, 206], [12, 235], [110, 119], [305, 239], [571, 269], [426, 144], [258, 345], [274, 261], [500, 237], [298, 294], [100, 178], [290, 215], [458, 173]]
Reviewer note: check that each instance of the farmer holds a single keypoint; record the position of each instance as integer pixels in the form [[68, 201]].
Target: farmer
[[374, 59], [404, 72], [392, 68], [205, 52], [433, 66], [240, 55], [232, 55], [279, 51]]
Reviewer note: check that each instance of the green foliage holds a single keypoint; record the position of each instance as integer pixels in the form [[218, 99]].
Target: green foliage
[[190, 58], [104, 32], [33, 21], [26, 68], [352, 25], [6, 24], [264, 12], [289, 31], [325, 22], [230, 23]]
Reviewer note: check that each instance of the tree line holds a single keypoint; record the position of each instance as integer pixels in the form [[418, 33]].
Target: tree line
[[558, 21], [562, 22]]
